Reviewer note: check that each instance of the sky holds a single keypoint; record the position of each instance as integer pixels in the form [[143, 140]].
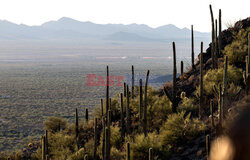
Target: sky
[[153, 13]]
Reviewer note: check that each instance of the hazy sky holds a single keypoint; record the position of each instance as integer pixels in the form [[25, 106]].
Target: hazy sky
[[154, 13]]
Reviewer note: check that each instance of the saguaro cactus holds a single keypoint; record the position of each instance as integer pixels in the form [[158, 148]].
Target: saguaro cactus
[[145, 106], [107, 91], [76, 124], [172, 97], [103, 137], [128, 118], [201, 80], [107, 144], [220, 31], [122, 119], [151, 157], [128, 151], [208, 146], [86, 115], [141, 102], [212, 113], [182, 68], [213, 55], [246, 74], [43, 148], [102, 107], [95, 139], [125, 89], [46, 142], [192, 46], [133, 82]]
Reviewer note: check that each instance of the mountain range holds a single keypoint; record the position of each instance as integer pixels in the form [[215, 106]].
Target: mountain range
[[67, 29]]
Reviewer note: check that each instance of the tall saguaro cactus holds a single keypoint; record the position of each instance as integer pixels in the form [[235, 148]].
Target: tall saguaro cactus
[[208, 146], [192, 46], [128, 118], [141, 102], [124, 89], [145, 107], [46, 143], [107, 92], [122, 119], [173, 97], [213, 55], [201, 80], [95, 139], [220, 31], [133, 82]]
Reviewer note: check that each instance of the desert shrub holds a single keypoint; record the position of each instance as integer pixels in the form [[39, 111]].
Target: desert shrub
[[117, 154], [141, 144], [79, 155], [55, 124], [89, 149], [188, 105], [215, 77], [62, 146], [178, 128], [237, 50]]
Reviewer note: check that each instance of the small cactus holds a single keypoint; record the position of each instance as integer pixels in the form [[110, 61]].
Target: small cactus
[[43, 148], [128, 151], [107, 92], [86, 115], [151, 157], [208, 146]]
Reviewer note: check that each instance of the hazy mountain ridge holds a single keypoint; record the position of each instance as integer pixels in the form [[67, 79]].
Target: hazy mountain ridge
[[67, 29]]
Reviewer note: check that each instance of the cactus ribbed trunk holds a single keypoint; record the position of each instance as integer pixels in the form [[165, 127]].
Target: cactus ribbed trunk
[[224, 90], [76, 124], [216, 39], [145, 107], [192, 46], [174, 101], [46, 143], [107, 92], [128, 151], [201, 81], [95, 139], [128, 127], [141, 102], [122, 119], [133, 82]]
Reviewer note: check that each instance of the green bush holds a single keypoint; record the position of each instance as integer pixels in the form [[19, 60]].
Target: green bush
[[237, 50], [215, 77], [188, 105], [55, 124], [141, 144], [178, 129]]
